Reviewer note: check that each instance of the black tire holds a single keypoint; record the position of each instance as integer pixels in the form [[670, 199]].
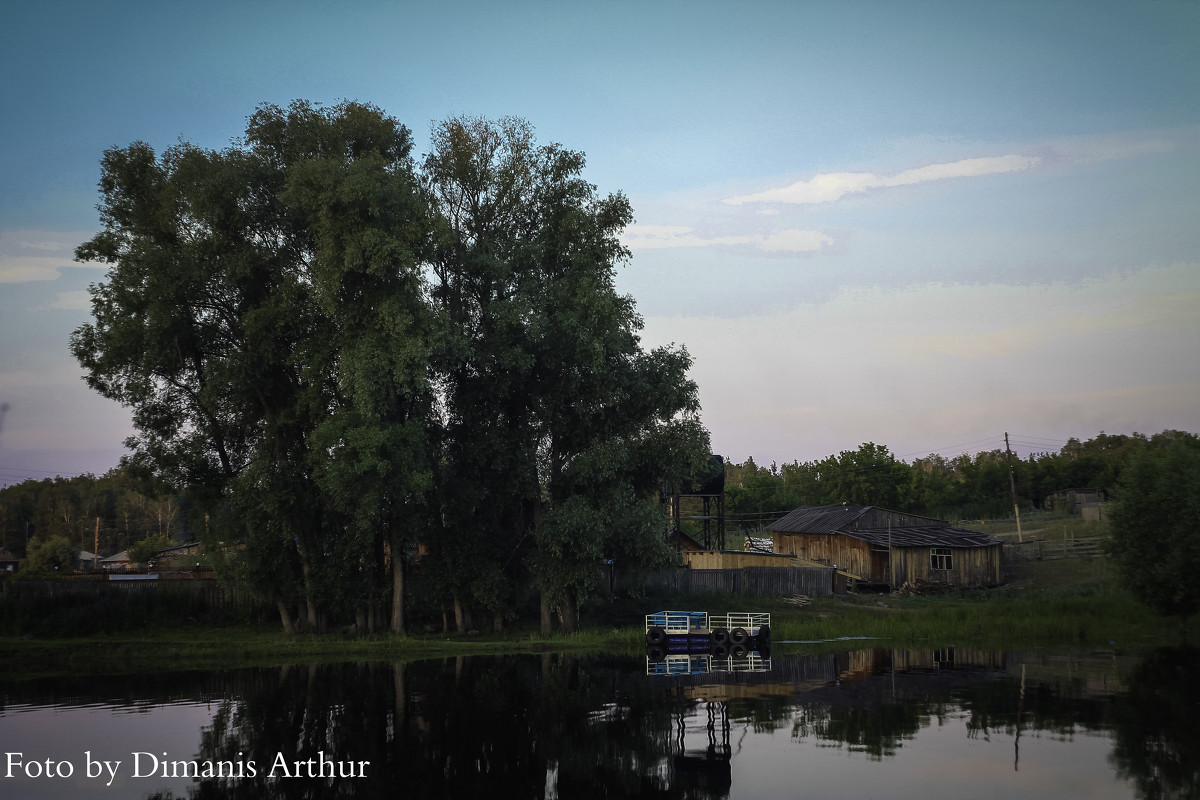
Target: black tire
[[719, 636], [720, 650], [656, 654], [738, 636], [738, 651], [764, 636], [656, 636]]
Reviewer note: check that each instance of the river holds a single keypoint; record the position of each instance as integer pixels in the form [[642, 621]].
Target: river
[[854, 723]]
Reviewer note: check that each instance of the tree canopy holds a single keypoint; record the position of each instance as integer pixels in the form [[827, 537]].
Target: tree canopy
[[1153, 523], [349, 359]]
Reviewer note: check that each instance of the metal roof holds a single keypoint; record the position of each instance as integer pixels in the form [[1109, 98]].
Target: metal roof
[[924, 536], [819, 519], [844, 519]]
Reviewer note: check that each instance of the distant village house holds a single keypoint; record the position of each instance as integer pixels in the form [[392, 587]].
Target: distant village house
[[875, 546]]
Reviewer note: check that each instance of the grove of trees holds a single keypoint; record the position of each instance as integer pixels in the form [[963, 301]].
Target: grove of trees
[[968, 486], [115, 508], [363, 368]]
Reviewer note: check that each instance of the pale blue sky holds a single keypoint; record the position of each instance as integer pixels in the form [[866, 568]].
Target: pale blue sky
[[920, 224]]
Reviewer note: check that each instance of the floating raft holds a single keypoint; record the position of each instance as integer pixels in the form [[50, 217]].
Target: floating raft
[[731, 634]]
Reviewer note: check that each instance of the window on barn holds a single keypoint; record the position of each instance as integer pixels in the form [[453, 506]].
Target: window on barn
[[941, 558]]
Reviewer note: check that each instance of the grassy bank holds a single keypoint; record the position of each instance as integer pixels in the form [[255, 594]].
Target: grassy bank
[[1071, 603]]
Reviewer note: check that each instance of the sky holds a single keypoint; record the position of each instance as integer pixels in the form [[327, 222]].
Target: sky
[[920, 224]]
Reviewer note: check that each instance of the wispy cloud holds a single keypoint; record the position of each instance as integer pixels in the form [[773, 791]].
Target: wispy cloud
[[659, 237], [830, 187], [27, 269], [28, 256]]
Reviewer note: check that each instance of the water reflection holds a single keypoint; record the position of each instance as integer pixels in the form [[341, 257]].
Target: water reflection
[[934, 723]]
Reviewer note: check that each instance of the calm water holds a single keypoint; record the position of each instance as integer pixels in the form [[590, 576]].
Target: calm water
[[863, 723]]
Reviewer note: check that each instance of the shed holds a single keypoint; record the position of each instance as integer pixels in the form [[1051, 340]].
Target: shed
[[886, 548], [8, 562], [1073, 500], [116, 563]]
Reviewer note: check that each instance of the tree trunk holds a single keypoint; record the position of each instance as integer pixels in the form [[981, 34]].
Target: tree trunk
[[285, 615], [460, 624], [547, 620], [569, 613], [498, 622], [397, 591]]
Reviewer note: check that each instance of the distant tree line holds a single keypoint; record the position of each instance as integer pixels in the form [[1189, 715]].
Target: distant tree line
[[51, 521], [378, 377], [968, 486]]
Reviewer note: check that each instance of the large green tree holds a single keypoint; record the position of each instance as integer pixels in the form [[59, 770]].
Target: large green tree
[[559, 427], [1154, 525], [259, 312]]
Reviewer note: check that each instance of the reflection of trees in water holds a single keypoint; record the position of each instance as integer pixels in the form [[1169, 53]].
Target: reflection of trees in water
[[877, 699], [876, 731], [480, 727], [558, 726], [1157, 740]]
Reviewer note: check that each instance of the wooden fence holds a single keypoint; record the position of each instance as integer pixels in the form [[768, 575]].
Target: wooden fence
[[749, 580], [1042, 550], [200, 593]]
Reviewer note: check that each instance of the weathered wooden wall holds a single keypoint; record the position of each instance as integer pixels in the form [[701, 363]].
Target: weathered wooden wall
[[735, 559], [749, 580], [850, 555], [972, 566]]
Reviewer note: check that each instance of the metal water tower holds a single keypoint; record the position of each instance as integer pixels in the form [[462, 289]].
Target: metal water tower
[[704, 499]]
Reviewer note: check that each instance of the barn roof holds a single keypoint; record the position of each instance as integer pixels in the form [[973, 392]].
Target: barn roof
[[820, 519], [924, 536], [845, 519]]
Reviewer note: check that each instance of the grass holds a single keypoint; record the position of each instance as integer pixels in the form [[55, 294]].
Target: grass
[[1065, 603], [1042, 525], [1068, 603]]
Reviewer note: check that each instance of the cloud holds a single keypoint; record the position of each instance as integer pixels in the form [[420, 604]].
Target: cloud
[[27, 269], [658, 237], [830, 187], [29, 256]]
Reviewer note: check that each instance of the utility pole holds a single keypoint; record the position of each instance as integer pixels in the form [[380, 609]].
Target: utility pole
[[96, 550], [1012, 485]]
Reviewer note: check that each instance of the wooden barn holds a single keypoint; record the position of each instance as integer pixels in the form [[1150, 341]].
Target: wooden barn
[[879, 547]]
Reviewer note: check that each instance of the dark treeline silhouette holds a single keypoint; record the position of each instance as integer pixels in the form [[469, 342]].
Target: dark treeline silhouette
[[963, 487], [367, 370], [35, 513]]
